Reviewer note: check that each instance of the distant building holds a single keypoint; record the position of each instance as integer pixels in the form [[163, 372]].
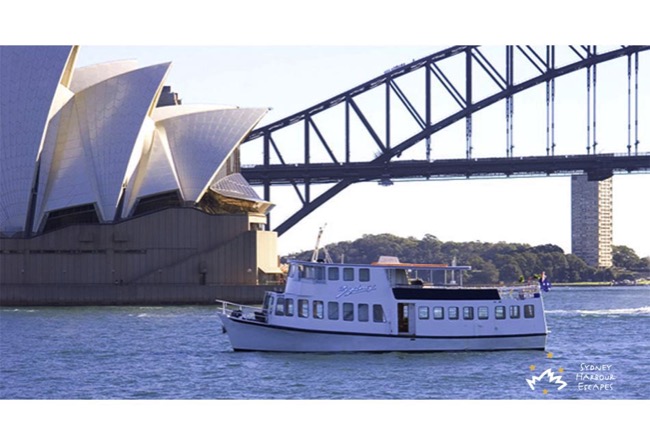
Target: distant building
[[168, 97], [113, 192], [591, 220]]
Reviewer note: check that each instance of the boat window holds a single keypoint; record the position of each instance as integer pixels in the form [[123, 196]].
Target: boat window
[[500, 312], [423, 312], [333, 310], [529, 311], [348, 274], [378, 314], [397, 277], [313, 273], [453, 313], [364, 274], [288, 307], [293, 271], [483, 312], [303, 308], [514, 312], [363, 312], [268, 302], [348, 311], [439, 313], [333, 273], [318, 309], [468, 313], [279, 306]]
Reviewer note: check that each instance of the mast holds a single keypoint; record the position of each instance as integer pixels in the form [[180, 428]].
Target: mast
[[314, 255]]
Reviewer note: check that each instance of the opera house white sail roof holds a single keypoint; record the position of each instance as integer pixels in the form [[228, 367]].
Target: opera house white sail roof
[[93, 138]]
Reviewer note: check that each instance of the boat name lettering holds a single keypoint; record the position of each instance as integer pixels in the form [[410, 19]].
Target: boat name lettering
[[345, 291]]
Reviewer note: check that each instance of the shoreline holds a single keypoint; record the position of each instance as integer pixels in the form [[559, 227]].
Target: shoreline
[[599, 284]]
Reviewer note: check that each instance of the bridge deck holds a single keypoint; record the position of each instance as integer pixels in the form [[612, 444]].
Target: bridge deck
[[596, 166]]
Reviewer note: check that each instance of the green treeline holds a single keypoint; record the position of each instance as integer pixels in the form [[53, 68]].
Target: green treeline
[[491, 262]]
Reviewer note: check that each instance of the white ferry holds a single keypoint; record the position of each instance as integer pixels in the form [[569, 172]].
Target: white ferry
[[329, 307]]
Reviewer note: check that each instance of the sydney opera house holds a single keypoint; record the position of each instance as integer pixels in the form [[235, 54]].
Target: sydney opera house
[[113, 192]]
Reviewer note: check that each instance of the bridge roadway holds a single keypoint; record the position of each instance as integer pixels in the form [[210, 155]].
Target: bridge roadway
[[598, 167]]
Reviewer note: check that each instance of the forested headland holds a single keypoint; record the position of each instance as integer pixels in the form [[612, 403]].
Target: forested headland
[[491, 263]]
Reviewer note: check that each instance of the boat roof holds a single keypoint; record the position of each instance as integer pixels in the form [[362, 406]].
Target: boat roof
[[387, 265]]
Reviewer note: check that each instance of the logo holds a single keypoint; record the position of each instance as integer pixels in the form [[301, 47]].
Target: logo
[[550, 376], [547, 379], [593, 377]]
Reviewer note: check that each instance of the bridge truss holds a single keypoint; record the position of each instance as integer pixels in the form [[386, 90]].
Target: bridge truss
[[408, 115]]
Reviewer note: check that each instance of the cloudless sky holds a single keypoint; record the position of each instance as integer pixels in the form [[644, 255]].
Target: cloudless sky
[[289, 65]]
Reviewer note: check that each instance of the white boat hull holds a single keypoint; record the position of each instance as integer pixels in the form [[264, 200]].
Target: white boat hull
[[248, 335]]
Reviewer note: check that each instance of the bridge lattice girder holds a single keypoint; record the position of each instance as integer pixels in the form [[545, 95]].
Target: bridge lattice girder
[[345, 173]]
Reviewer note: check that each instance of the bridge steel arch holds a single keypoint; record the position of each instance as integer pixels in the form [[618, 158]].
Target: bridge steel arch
[[543, 63]]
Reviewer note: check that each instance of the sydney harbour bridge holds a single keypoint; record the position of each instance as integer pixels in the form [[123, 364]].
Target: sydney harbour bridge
[[382, 130]]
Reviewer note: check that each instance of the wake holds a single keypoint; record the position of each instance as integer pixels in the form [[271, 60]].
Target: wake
[[638, 311]]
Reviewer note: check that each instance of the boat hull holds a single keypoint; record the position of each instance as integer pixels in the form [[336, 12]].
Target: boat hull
[[249, 335]]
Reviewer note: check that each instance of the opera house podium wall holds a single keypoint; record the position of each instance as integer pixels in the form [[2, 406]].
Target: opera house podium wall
[[172, 256]]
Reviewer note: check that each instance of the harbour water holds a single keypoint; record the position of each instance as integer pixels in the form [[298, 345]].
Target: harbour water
[[599, 346]]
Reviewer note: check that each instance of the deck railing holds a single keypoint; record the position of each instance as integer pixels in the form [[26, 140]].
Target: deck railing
[[235, 310], [520, 292]]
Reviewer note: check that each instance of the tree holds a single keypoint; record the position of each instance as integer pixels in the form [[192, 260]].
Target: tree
[[606, 274], [528, 263], [483, 272], [577, 270], [554, 264], [428, 250], [490, 262], [548, 248], [510, 273], [626, 258]]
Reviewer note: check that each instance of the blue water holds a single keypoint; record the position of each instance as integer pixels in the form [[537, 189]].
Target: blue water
[[180, 353]]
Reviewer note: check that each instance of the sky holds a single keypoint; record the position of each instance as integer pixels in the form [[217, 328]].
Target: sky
[[269, 60]]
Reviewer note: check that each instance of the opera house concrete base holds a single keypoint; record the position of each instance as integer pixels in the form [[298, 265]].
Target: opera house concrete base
[[179, 255], [18, 295]]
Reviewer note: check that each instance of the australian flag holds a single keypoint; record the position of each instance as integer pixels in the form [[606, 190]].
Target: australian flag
[[544, 284]]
